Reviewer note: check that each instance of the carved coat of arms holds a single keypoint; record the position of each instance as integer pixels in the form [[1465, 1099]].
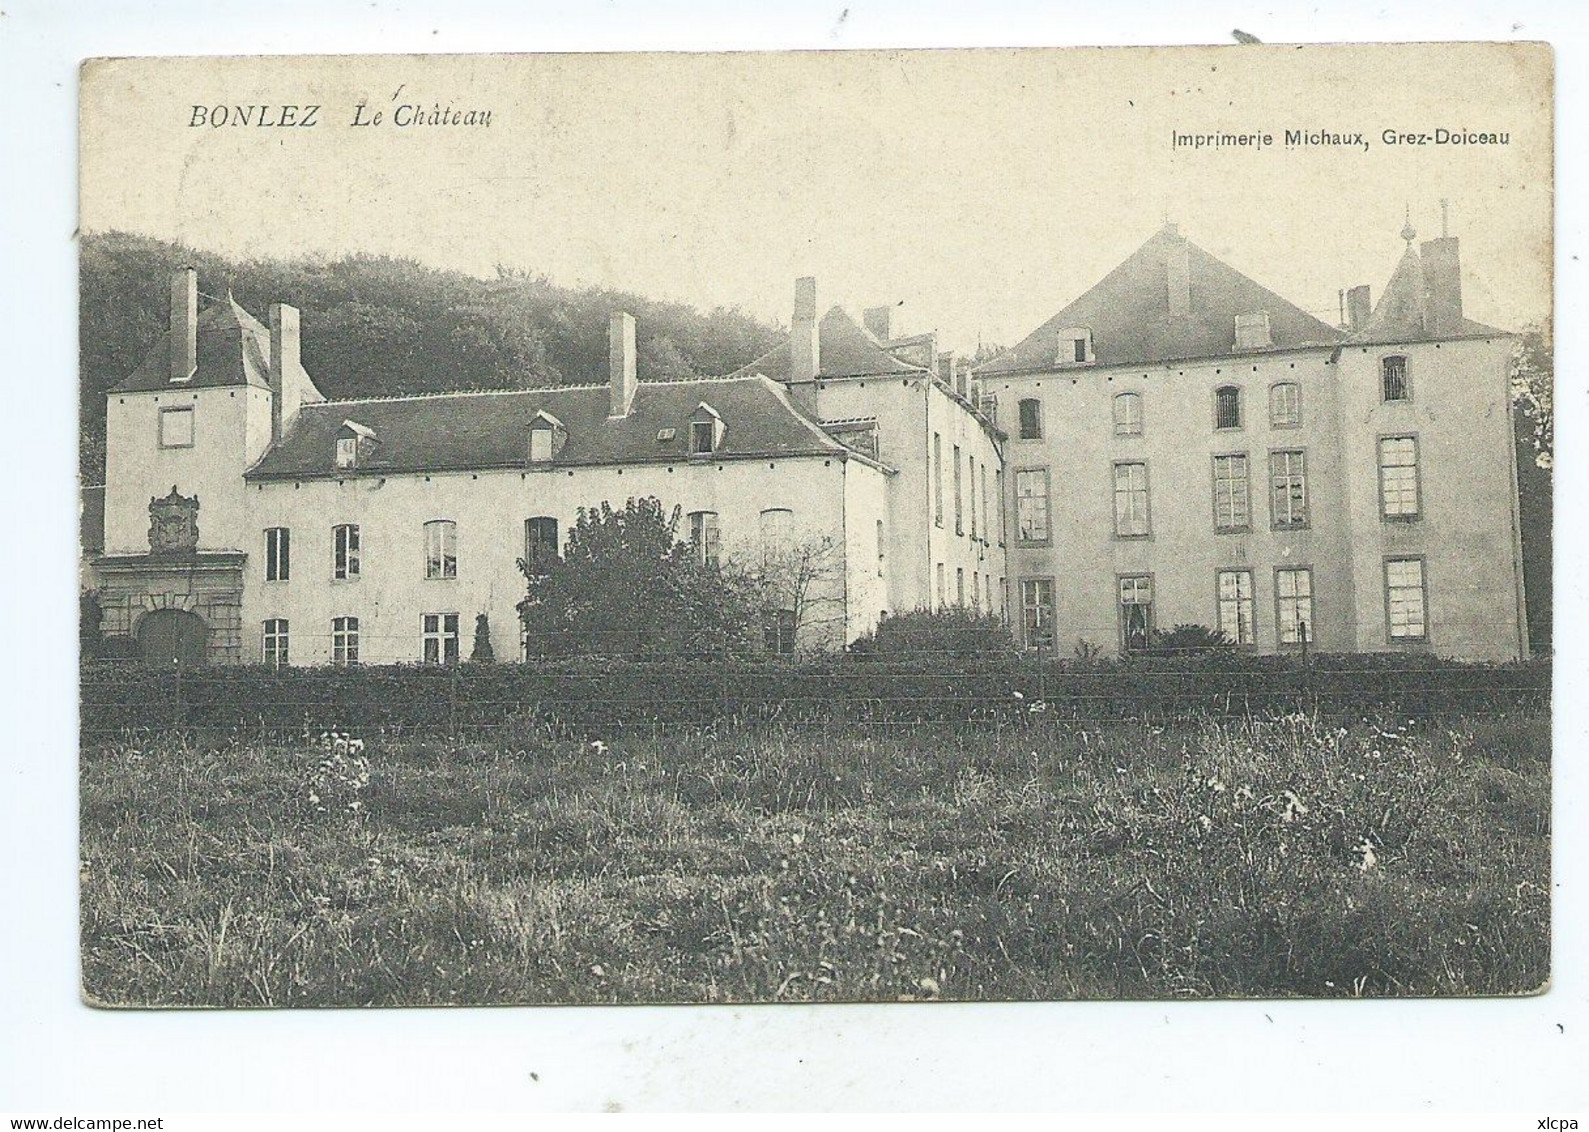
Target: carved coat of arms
[[174, 524]]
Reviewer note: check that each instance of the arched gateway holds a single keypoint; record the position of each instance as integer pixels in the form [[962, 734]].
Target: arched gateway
[[172, 637]]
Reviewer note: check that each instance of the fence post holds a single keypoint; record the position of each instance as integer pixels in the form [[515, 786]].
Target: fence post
[[181, 705]]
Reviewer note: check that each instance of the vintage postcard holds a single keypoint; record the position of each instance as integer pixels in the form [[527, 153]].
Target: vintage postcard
[[822, 526]]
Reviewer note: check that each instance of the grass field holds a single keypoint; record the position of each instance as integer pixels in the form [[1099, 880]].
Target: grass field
[[1259, 858]]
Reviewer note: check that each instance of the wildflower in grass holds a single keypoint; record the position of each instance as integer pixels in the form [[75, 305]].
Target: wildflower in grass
[[1370, 859], [599, 748], [1294, 808]]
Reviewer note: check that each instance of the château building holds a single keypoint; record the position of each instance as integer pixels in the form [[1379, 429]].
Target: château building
[[1179, 445]]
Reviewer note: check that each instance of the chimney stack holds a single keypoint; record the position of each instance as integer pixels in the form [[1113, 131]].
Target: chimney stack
[[621, 363], [1358, 307], [290, 385], [805, 347], [184, 323], [1442, 273], [880, 321], [1178, 275]]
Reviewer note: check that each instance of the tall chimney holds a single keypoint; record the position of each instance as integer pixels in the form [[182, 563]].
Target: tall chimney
[[805, 347], [184, 323], [1442, 273], [1358, 307], [620, 363], [1178, 276], [290, 385], [880, 321]]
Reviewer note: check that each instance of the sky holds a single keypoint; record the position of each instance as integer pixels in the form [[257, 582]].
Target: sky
[[978, 190]]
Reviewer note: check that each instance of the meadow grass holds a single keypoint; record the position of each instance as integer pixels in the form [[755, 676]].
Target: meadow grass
[[1206, 858]]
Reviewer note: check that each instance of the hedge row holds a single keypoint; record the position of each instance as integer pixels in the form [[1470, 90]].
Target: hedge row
[[601, 696]]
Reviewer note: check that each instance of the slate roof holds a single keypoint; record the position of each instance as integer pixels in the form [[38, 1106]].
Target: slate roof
[[233, 349], [1401, 314], [463, 431], [1128, 314], [847, 349]]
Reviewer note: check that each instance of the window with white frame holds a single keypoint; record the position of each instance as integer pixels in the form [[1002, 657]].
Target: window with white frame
[[1227, 407], [1031, 505], [1288, 489], [1236, 606], [1136, 612], [998, 490], [706, 430], [347, 451], [344, 641], [1131, 500], [278, 554], [1398, 478], [1285, 405], [345, 552], [541, 435], [777, 533], [441, 549], [1128, 414], [941, 587], [176, 427], [1405, 600], [971, 491], [704, 537], [439, 638], [1294, 604], [1232, 494], [1037, 612], [987, 516], [275, 642], [1393, 378]]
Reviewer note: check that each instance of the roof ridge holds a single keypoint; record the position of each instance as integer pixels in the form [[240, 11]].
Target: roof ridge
[[527, 391]]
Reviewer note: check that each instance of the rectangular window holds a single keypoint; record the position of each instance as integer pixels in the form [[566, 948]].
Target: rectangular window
[[1031, 505], [778, 631], [1285, 405], [276, 642], [1136, 612], [1232, 495], [987, 516], [882, 548], [345, 552], [703, 437], [937, 479], [1037, 612], [176, 427], [1236, 606], [347, 451], [941, 587], [971, 485], [1227, 407], [540, 543], [344, 640], [1031, 419], [1288, 489], [960, 527], [278, 554], [1128, 414], [1398, 478], [960, 585], [440, 638], [1004, 515], [704, 536], [1393, 379], [540, 445], [441, 549], [1131, 500], [1405, 600], [1294, 604]]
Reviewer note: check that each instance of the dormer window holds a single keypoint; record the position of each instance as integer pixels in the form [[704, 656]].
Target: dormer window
[[547, 437], [1075, 347], [354, 445], [706, 430]]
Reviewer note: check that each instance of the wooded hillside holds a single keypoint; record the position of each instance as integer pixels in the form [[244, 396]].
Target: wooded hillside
[[377, 326]]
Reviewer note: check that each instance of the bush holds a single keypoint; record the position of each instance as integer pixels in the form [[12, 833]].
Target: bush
[[1184, 639], [942, 633]]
